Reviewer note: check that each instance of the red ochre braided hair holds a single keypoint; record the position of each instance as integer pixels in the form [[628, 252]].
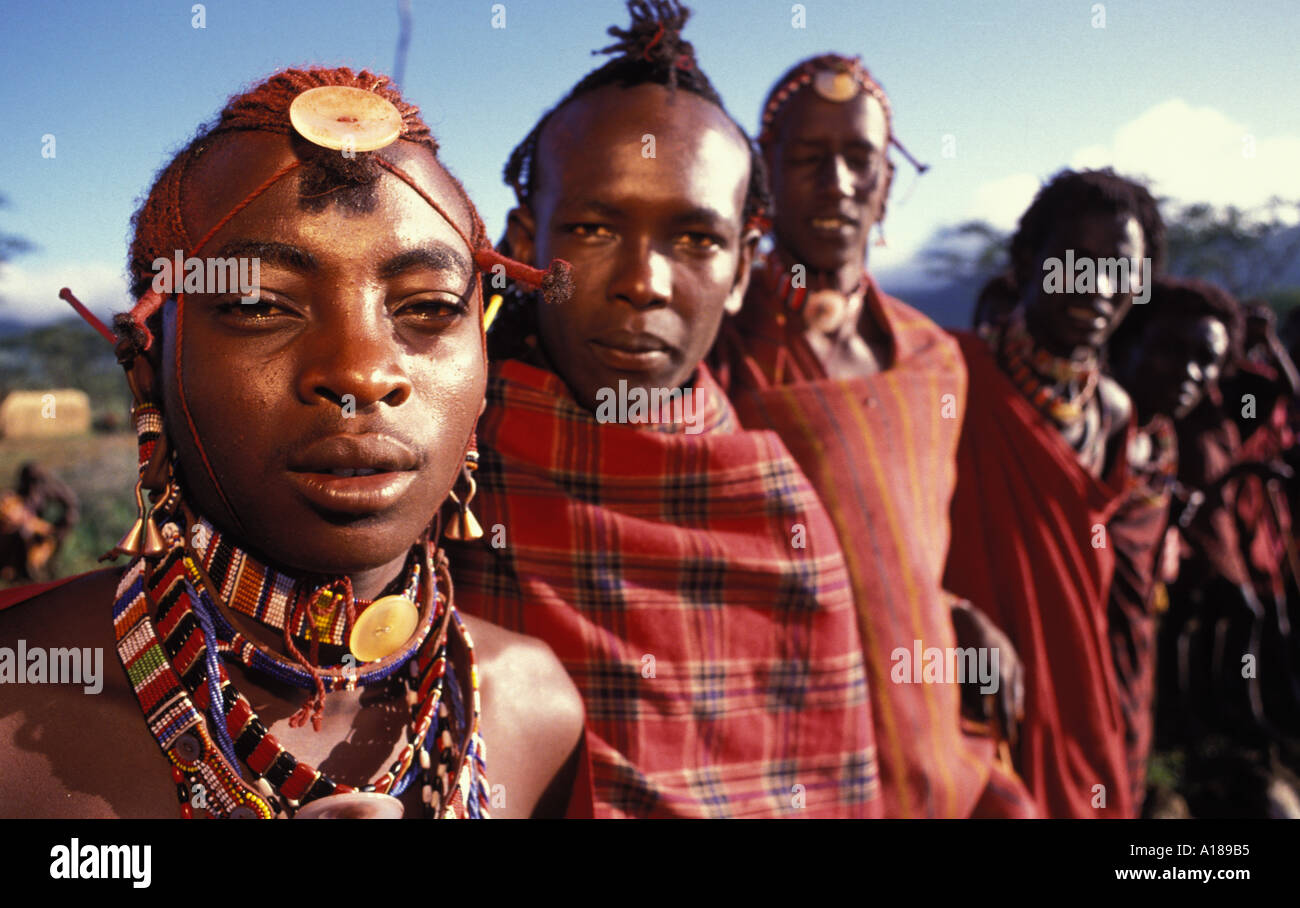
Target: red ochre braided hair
[[159, 227]]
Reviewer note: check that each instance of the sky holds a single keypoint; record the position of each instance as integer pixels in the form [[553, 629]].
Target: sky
[[1196, 96]]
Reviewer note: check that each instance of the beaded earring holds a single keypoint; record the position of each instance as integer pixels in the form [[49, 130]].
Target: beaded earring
[[155, 462]]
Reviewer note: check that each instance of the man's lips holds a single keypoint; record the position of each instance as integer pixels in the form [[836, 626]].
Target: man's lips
[[347, 454], [354, 474], [354, 494], [631, 351], [833, 224]]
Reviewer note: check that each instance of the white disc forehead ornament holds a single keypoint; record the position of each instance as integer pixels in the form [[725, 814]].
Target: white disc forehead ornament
[[340, 117], [838, 85]]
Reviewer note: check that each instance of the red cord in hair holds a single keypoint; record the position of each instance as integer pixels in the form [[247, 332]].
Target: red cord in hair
[[645, 54], [410, 181], [555, 282], [152, 299], [180, 321], [248, 199]]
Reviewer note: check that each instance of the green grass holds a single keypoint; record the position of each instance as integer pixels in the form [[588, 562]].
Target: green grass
[[101, 469]]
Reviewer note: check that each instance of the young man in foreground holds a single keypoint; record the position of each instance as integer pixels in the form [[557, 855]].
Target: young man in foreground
[[302, 436]]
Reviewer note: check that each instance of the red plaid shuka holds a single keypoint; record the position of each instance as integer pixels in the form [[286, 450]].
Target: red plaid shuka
[[1030, 544], [880, 451], [695, 591]]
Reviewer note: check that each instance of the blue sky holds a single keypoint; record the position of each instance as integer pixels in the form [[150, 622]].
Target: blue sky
[[1196, 96]]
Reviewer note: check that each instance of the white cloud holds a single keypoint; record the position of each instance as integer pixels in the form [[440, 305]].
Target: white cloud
[[1193, 154], [32, 294], [1199, 154]]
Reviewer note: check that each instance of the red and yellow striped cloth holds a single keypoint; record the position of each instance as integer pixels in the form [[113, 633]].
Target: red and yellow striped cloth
[[880, 450]]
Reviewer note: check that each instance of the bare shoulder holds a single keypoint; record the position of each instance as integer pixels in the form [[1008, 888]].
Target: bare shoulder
[[525, 673], [72, 738], [532, 721]]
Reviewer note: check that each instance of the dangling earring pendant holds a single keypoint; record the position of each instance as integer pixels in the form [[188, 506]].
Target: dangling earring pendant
[[144, 537], [130, 544], [463, 526]]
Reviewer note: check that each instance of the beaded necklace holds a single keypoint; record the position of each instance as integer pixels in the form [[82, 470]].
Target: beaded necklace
[[267, 595], [277, 600], [177, 676], [1058, 387], [779, 276], [799, 304]]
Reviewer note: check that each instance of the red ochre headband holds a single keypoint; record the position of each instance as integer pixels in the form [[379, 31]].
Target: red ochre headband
[[355, 120], [351, 120], [834, 78]]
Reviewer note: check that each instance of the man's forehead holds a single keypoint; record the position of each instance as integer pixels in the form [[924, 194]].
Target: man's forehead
[[647, 122], [1097, 227], [810, 117], [235, 165]]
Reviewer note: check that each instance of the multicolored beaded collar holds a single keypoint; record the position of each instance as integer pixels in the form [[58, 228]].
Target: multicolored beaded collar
[[171, 639], [1058, 387], [778, 274]]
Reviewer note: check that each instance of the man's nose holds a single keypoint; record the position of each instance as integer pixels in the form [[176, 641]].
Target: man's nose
[[643, 275], [353, 357], [837, 177]]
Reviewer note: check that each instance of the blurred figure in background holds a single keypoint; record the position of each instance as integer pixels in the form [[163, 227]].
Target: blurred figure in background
[[1228, 694], [1042, 470], [1167, 355], [30, 536]]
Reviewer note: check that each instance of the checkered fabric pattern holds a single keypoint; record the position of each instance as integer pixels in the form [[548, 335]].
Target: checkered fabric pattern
[[694, 589]]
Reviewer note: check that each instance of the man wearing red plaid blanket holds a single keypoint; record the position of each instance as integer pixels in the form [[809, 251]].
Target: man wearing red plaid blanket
[[683, 569]]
